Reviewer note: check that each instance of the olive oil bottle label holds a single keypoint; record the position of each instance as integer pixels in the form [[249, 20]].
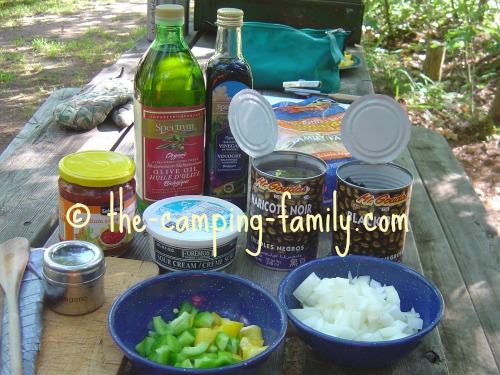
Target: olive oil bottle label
[[228, 163], [171, 149]]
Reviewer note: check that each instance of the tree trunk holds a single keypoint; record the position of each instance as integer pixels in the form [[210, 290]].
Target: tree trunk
[[495, 106], [387, 13], [481, 10]]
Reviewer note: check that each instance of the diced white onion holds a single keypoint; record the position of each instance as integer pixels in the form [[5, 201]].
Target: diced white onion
[[354, 308], [306, 287]]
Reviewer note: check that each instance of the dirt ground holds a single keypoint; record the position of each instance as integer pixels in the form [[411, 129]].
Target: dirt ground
[[19, 102], [481, 162], [480, 159]]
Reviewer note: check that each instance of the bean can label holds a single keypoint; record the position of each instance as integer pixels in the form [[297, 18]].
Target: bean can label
[[286, 187], [374, 200]]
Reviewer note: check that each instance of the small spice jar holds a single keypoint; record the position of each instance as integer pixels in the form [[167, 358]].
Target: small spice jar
[[97, 199], [73, 272]]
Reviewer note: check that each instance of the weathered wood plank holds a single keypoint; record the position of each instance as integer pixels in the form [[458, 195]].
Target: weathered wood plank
[[40, 118], [127, 64], [457, 246], [29, 193], [356, 81], [28, 173]]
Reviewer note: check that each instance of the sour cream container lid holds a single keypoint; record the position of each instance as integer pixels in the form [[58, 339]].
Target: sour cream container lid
[[192, 221], [253, 123], [375, 129]]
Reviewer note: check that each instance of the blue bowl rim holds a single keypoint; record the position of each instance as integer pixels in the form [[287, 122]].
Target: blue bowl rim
[[388, 343], [187, 274]]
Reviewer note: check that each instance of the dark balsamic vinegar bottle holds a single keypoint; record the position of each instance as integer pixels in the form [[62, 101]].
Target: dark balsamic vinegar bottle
[[227, 73]]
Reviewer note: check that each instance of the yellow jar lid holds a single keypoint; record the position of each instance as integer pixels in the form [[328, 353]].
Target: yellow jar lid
[[96, 168]]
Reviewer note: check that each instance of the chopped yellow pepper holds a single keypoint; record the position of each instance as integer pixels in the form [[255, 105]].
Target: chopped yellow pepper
[[253, 332], [217, 319], [231, 327], [249, 349], [205, 335]]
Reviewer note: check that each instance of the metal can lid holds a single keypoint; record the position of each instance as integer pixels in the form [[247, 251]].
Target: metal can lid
[[73, 262], [375, 129], [253, 123]]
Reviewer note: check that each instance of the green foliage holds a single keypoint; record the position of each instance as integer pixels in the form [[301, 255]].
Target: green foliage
[[395, 45], [49, 48], [6, 77]]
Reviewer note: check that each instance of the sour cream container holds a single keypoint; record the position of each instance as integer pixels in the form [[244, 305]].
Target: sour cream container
[[193, 232]]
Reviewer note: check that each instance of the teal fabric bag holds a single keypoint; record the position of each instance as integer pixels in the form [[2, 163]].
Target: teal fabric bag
[[278, 53]]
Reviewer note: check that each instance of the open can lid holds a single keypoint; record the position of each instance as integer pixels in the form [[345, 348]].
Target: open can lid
[[253, 123], [375, 129]]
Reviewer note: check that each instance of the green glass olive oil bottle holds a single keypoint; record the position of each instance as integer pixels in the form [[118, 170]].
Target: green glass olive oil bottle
[[169, 114]]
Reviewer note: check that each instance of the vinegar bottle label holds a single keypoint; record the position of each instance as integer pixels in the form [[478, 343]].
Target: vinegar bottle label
[[170, 143], [228, 163]]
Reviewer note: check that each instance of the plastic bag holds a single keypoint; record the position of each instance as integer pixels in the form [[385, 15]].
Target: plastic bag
[[312, 126]]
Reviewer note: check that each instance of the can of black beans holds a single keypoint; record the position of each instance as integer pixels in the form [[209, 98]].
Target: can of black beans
[[372, 204], [372, 199], [285, 204]]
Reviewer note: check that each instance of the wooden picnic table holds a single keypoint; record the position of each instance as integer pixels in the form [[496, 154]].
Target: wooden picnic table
[[452, 241]]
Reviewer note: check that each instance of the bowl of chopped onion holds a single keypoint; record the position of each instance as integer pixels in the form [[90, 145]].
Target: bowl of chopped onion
[[360, 311]]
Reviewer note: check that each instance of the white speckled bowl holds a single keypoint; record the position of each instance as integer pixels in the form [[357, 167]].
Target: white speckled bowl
[[230, 296]]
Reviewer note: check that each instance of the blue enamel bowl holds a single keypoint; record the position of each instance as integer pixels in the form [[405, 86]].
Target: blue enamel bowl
[[414, 291], [228, 295]]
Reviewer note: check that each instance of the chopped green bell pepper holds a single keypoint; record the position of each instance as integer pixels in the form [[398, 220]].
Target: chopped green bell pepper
[[173, 344], [193, 351], [177, 358], [199, 339], [160, 326], [205, 362], [180, 324], [225, 359], [144, 347], [221, 340], [185, 364], [186, 306], [162, 355], [233, 345], [203, 320], [186, 338]]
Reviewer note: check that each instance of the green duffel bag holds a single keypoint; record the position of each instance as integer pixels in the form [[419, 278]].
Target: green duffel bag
[[278, 53]]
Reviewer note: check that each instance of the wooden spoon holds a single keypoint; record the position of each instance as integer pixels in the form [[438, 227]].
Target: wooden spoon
[[14, 255]]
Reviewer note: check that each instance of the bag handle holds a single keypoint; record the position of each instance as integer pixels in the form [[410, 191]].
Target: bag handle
[[334, 47]]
